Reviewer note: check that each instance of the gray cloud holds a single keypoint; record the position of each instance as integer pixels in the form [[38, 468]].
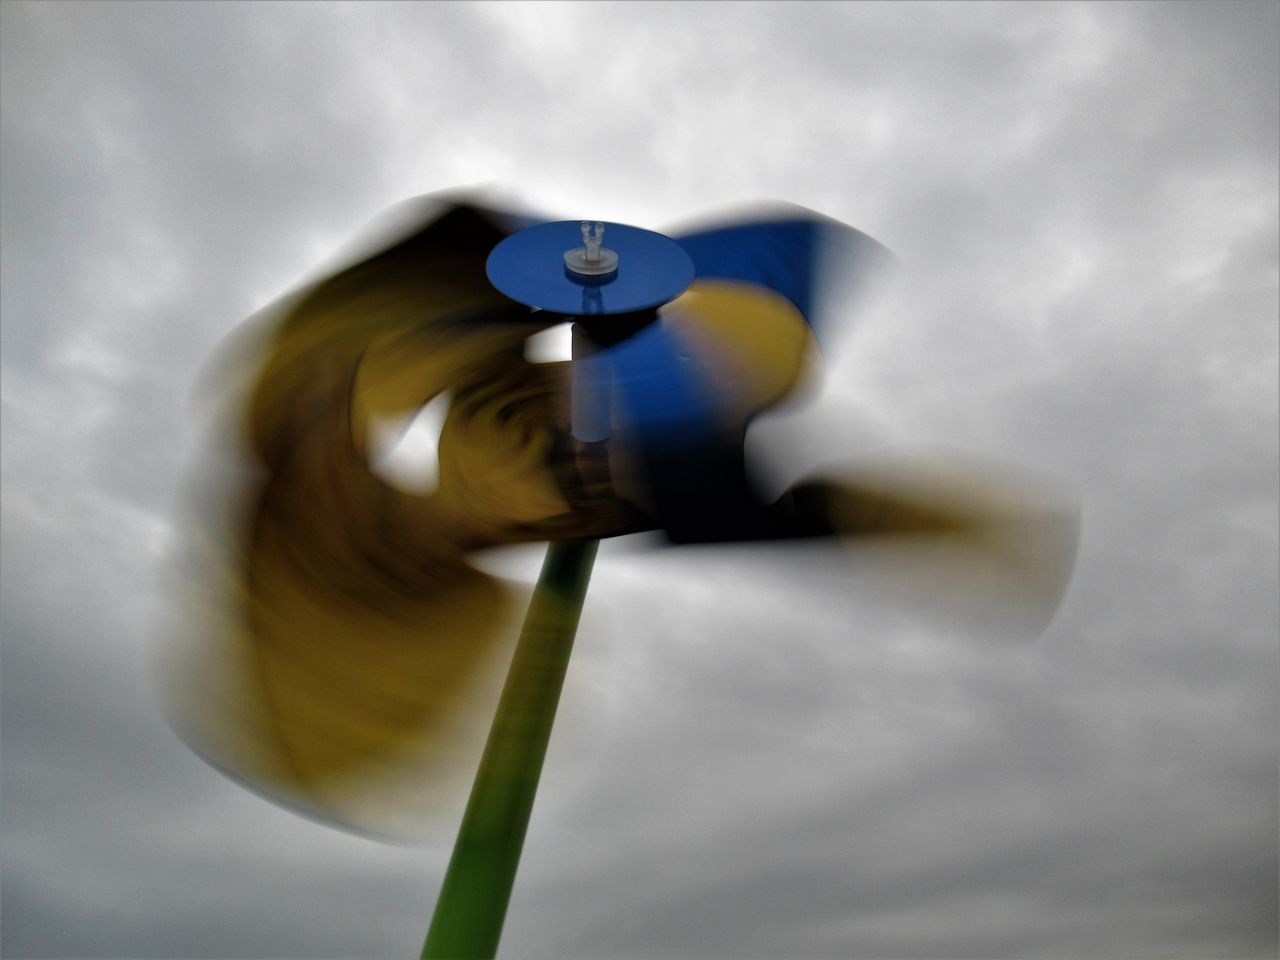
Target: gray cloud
[[759, 754]]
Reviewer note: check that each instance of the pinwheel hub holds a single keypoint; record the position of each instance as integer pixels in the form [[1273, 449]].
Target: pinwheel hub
[[563, 267], [592, 259]]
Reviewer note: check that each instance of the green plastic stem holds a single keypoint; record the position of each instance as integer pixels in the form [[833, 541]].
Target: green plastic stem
[[477, 885]]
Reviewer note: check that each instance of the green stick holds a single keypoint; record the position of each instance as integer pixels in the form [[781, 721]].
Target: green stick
[[477, 885]]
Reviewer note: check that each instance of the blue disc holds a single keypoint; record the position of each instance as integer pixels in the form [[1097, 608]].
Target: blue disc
[[529, 268]]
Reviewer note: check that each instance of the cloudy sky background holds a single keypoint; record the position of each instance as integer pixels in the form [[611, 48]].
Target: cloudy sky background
[[753, 759]]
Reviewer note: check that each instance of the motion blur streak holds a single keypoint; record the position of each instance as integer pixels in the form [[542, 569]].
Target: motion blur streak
[[334, 647], [340, 655]]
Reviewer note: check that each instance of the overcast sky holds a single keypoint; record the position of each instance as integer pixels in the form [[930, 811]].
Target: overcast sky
[[753, 758]]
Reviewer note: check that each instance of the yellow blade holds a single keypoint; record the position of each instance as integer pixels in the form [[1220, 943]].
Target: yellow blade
[[977, 544], [334, 648]]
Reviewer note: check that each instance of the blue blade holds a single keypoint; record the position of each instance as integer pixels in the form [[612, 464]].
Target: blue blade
[[691, 455], [779, 255], [796, 255]]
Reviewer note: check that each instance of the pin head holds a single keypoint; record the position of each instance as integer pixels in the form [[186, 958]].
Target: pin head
[[591, 259]]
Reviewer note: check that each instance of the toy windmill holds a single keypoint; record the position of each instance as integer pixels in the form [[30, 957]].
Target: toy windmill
[[344, 631]]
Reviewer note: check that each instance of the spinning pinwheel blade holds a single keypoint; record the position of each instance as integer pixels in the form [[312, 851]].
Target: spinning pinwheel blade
[[342, 651]]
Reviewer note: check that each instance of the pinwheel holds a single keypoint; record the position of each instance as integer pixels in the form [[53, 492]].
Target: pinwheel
[[342, 648]]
